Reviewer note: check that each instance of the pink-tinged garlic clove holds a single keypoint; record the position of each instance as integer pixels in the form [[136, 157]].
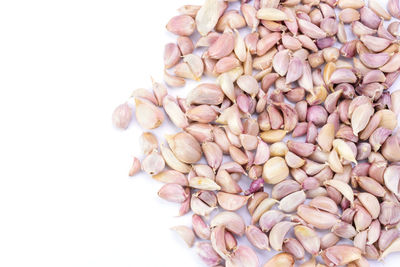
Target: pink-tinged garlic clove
[[182, 25], [122, 116]]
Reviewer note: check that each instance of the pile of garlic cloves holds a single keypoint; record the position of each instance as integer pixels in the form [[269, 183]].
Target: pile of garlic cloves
[[302, 107]]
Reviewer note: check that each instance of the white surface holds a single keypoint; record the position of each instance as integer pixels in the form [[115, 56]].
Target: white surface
[[66, 199]]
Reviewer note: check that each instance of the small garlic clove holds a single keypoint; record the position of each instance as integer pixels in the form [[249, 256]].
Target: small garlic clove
[[301, 149], [231, 221], [182, 25], [270, 218], [255, 200], [248, 84], [171, 177], [264, 206], [310, 29], [201, 132], [308, 238], [391, 148], [325, 204], [343, 76], [203, 183], [341, 254], [153, 163], [122, 116], [201, 229], [278, 233], [281, 260], [257, 238], [392, 178], [185, 233], [160, 91], [369, 18], [227, 183], [218, 241], [223, 46], [207, 17], [371, 186], [374, 232], [172, 161], [172, 55], [378, 9], [231, 202], [374, 61], [266, 43], [185, 147], [174, 112], [291, 202], [173, 193], [343, 188], [230, 19], [295, 70], [294, 247], [393, 7], [207, 253], [243, 256], [319, 219], [173, 81], [271, 14], [375, 44], [135, 168], [293, 161], [344, 230], [387, 237], [280, 62], [394, 247], [370, 203], [275, 170]]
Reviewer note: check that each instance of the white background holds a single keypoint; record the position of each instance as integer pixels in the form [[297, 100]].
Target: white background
[[65, 197]]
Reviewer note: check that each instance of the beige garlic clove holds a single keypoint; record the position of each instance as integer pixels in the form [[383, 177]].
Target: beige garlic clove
[[174, 112], [207, 17], [281, 260], [173, 81], [171, 177], [278, 233], [341, 254], [343, 188], [272, 14], [185, 233], [308, 238], [264, 206], [255, 200], [172, 161], [135, 168], [319, 219], [203, 183], [291, 202], [329, 240], [275, 170]]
